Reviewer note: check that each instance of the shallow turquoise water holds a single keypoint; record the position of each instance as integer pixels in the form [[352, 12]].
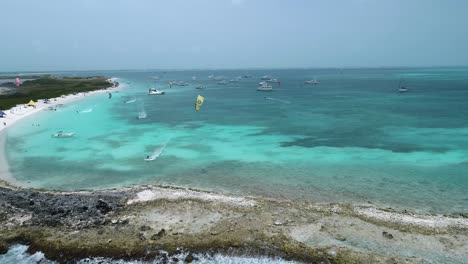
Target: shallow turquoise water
[[351, 138]]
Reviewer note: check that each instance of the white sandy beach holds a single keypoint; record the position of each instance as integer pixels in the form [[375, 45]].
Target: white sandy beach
[[19, 112]]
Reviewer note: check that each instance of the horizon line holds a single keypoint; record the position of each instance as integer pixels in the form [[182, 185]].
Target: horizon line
[[247, 68]]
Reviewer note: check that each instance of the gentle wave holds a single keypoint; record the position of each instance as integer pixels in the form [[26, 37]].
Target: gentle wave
[[18, 254]]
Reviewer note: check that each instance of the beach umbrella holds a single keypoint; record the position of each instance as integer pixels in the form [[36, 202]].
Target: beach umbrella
[[31, 103]]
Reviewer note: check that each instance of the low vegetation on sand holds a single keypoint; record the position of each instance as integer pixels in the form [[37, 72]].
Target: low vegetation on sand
[[49, 87]]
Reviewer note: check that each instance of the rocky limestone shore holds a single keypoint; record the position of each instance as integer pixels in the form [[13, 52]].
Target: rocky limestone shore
[[146, 221]]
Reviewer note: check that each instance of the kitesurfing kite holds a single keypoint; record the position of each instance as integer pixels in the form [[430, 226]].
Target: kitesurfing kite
[[199, 102]]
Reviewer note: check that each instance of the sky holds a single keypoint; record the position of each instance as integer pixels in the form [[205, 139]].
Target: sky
[[198, 34]]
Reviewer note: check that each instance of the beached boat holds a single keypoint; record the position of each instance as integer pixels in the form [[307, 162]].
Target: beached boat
[[154, 91], [264, 87], [62, 134]]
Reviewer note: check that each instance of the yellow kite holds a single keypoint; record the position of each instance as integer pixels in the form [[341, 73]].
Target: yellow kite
[[31, 103], [199, 102]]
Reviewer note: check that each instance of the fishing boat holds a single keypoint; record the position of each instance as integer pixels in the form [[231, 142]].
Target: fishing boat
[[264, 86], [154, 91], [62, 134], [313, 81]]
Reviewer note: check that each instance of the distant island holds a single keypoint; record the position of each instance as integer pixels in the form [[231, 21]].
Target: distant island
[[46, 86]]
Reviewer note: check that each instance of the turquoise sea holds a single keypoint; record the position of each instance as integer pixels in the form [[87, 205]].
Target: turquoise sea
[[351, 138]]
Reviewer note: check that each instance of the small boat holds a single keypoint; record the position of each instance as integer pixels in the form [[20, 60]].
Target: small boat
[[211, 77], [272, 81], [314, 81], [222, 82], [402, 89], [154, 91], [155, 78], [62, 134], [180, 83], [264, 87], [247, 76], [233, 80], [266, 77], [194, 78], [199, 87], [219, 78]]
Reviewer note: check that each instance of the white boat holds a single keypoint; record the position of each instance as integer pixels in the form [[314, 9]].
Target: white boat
[[272, 81], [266, 77], [199, 87], [62, 134], [233, 80], [155, 77], [314, 81], [211, 77], [219, 78], [222, 82], [180, 83], [401, 88], [264, 87], [154, 91]]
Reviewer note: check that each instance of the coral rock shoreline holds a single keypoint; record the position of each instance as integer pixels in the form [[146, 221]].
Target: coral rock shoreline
[[138, 222]]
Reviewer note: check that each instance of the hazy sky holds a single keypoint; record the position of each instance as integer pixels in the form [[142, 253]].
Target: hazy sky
[[140, 34]]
